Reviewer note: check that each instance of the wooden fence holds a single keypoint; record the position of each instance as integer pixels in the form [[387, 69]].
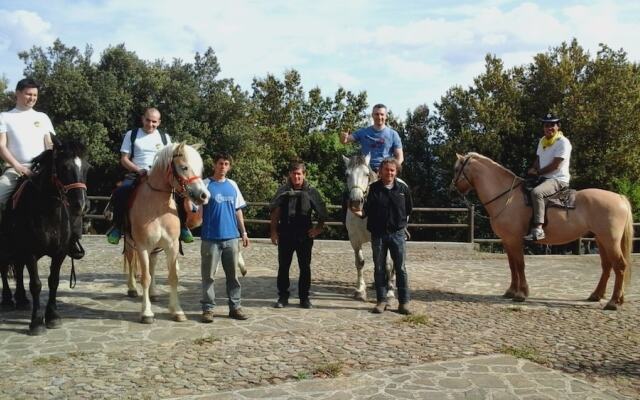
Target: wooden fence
[[469, 226]]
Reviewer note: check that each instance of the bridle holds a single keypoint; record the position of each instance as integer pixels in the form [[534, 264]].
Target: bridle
[[172, 175], [364, 190], [58, 184]]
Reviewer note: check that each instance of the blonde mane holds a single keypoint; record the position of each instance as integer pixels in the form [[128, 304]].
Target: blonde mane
[[165, 156], [478, 155]]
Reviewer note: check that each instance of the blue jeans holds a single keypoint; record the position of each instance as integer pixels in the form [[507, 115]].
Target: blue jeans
[[212, 252], [394, 243]]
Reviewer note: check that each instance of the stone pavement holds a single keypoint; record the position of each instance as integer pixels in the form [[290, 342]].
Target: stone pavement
[[466, 341]]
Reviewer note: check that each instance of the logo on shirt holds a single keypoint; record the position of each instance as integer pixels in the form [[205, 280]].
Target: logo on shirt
[[221, 199], [376, 142], [158, 146], [36, 124]]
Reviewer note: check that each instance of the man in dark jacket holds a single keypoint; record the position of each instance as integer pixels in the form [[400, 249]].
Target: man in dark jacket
[[292, 231], [387, 209]]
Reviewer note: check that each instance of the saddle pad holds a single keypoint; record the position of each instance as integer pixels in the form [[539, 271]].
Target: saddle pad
[[563, 199]]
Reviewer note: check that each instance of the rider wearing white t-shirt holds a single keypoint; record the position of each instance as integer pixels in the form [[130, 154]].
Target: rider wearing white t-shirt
[[148, 141], [552, 163], [24, 134]]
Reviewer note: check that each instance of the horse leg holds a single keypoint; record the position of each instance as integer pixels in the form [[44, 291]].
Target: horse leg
[[515, 254], [36, 327], [511, 291], [130, 266], [51, 317], [605, 264], [7, 303], [146, 315], [361, 291], [20, 296], [619, 265], [391, 279], [174, 301], [153, 293]]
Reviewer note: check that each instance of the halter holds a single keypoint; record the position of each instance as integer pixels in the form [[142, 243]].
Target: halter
[[172, 173], [62, 188]]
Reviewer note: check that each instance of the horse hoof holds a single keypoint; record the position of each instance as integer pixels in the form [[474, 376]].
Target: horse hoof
[[154, 298], [132, 293], [518, 298], [36, 330], [508, 295], [179, 318], [54, 323], [360, 296], [147, 320], [611, 307], [593, 297], [7, 305]]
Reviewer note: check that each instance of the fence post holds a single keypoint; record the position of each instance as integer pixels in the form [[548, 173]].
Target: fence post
[[471, 223]]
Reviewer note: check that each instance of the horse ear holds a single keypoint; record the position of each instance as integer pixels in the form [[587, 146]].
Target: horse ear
[[460, 156], [367, 158], [346, 160], [197, 146]]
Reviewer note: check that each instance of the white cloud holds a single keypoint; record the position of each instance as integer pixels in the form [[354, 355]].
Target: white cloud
[[20, 30]]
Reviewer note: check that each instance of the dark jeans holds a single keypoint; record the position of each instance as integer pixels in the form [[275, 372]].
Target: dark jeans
[[394, 243], [302, 247]]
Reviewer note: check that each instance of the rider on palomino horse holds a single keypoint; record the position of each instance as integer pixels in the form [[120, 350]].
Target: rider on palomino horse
[[138, 151], [552, 165]]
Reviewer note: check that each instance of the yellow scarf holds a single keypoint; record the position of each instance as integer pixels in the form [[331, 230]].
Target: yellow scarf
[[550, 141]]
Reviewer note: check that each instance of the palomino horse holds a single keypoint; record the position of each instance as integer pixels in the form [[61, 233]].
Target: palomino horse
[[606, 214], [359, 177], [42, 219], [154, 218]]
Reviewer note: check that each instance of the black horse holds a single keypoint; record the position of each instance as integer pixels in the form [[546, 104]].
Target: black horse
[[43, 218]]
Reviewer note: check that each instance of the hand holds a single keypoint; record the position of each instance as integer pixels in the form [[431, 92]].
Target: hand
[[343, 136], [245, 240], [22, 170], [274, 238], [532, 171], [142, 172], [313, 232]]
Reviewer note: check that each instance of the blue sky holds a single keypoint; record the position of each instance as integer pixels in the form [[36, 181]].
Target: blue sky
[[403, 53]]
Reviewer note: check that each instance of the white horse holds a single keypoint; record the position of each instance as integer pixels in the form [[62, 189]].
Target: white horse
[[359, 177]]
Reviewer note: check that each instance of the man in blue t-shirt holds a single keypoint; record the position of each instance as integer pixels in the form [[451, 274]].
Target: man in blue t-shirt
[[378, 140], [222, 225]]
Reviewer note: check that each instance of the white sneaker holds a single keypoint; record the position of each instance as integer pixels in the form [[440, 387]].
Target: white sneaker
[[535, 235]]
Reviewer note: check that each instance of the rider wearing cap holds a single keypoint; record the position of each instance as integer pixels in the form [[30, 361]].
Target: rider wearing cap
[[552, 164]]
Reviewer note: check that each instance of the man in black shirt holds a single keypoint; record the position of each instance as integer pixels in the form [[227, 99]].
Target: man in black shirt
[[387, 209], [292, 231]]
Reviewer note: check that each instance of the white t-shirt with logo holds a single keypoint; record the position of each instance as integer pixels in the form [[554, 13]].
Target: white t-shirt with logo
[[560, 149], [146, 146], [26, 131]]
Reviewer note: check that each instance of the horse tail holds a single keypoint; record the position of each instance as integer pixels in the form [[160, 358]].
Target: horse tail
[[626, 243]]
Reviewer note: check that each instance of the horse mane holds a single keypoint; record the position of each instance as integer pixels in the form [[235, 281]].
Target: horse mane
[[357, 160], [478, 155], [165, 156]]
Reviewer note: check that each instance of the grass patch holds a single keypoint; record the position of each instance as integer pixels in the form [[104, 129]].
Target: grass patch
[[206, 340], [49, 360], [330, 370], [415, 319], [527, 353], [302, 376]]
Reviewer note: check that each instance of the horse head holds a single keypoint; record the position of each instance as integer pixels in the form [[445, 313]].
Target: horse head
[[187, 168], [461, 181], [359, 176]]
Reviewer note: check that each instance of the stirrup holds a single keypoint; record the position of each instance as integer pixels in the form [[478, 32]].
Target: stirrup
[[535, 235]]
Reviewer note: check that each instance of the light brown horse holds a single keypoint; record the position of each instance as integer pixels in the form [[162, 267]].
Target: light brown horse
[[605, 214], [154, 218]]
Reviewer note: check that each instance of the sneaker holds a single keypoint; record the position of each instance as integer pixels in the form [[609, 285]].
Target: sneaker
[[113, 236], [185, 235], [281, 303], [237, 313], [305, 303], [207, 317], [535, 235], [404, 309], [379, 308]]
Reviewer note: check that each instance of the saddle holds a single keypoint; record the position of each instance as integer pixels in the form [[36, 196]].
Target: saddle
[[565, 198]]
